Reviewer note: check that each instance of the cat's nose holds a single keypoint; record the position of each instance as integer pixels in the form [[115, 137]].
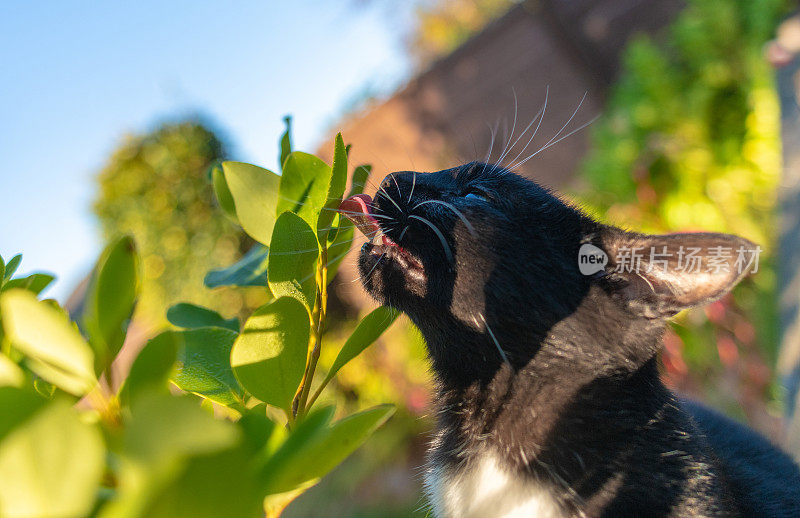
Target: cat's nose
[[400, 181], [390, 181], [392, 186]]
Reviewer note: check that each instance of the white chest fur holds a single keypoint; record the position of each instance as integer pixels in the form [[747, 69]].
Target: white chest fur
[[482, 489]]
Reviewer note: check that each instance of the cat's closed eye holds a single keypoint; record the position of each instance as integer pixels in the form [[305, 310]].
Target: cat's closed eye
[[476, 194]]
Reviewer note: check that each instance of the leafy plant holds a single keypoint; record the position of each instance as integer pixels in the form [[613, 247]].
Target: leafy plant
[[70, 446], [690, 141]]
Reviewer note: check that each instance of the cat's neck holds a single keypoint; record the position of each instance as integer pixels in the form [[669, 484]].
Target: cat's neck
[[546, 409]]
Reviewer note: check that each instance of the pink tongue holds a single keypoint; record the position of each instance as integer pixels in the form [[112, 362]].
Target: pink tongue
[[356, 209]]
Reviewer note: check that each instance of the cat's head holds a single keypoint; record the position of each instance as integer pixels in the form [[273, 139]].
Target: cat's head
[[495, 269]]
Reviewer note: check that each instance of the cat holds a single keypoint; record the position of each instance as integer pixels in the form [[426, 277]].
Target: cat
[[544, 339]]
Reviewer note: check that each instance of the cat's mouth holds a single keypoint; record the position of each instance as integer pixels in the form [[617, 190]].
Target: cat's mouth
[[358, 209]]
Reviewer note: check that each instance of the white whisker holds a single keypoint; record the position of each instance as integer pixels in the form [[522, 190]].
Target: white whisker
[[494, 339], [554, 137], [386, 194], [413, 184], [542, 110], [438, 233], [513, 128], [455, 211], [582, 126]]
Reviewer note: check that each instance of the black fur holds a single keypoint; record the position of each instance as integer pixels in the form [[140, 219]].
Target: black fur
[[557, 371]]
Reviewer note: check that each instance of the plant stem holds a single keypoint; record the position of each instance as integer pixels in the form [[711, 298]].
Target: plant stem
[[318, 326], [318, 391], [296, 407]]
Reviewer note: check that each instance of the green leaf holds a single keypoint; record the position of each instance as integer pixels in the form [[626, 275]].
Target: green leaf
[[269, 356], [368, 330], [223, 194], [313, 427], [211, 486], [257, 427], [299, 462], [164, 427], [360, 176], [10, 373], [204, 365], [338, 250], [304, 186], [255, 195], [275, 504], [152, 367], [110, 300], [51, 465], [44, 388], [2, 271], [56, 350], [18, 406], [35, 282], [191, 316], [336, 187], [292, 260], [11, 266], [164, 436], [286, 141], [250, 270]]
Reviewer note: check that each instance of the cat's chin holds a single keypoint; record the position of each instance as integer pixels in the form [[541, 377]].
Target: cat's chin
[[388, 271]]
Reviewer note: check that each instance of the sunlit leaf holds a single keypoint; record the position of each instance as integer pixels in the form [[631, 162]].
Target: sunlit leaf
[[163, 435], [336, 188], [304, 186], [255, 195], [286, 141], [35, 282], [11, 266], [275, 504], [269, 356], [18, 405], [110, 300], [368, 330], [152, 367], [299, 462], [204, 368], [165, 427], [360, 176], [58, 352], [292, 260], [51, 465], [10, 373], [312, 429], [258, 429], [250, 270], [224, 196], [338, 249], [44, 388], [191, 316], [211, 486]]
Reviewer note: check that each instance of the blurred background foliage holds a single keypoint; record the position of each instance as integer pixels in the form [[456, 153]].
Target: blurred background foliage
[[690, 140], [155, 187], [443, 25]]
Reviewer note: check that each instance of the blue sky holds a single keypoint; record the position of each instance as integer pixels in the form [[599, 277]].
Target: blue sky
[[78, 75]]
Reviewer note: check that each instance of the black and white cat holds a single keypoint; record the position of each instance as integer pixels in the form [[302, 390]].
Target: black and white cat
[[549, 397]]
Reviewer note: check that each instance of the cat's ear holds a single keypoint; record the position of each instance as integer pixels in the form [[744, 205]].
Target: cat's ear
[[659, 275]]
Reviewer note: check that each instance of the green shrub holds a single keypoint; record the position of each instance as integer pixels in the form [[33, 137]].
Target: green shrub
[[154, 187], [690, 140], [71, 447]]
